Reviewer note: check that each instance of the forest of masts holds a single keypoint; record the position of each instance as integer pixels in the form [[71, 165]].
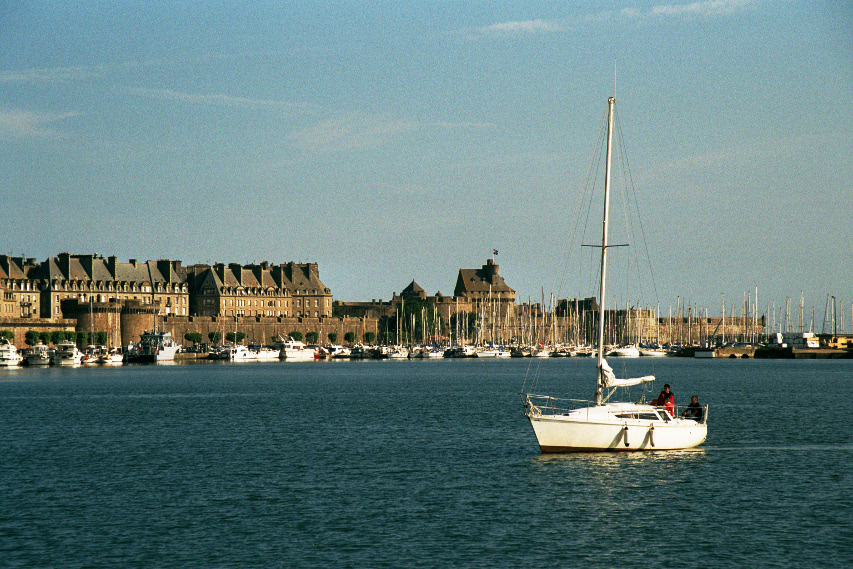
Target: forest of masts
[[574, 323]]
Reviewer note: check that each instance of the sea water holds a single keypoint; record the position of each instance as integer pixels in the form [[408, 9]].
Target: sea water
[[415, 464]]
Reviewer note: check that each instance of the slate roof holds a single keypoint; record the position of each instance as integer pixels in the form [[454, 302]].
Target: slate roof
[[481, 281], [290, 276], [413, 289]]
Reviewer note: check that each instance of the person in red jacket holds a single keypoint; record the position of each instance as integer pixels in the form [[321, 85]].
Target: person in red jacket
[[665, 399]]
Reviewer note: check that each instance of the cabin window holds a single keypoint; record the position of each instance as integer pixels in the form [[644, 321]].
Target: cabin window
[[641, 416]]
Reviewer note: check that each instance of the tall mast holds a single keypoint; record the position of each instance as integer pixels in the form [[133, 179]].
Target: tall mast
[[611, 103]]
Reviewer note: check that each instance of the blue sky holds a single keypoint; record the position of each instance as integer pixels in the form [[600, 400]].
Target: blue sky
[[392, 141]]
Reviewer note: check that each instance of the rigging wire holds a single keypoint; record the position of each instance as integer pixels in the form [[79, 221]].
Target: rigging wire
[[574, 234]]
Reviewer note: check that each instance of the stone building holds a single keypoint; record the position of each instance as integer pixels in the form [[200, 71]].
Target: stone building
[[282, 291], [66, 280], [91, 293], [481, 295], [484, 288], [20, 295]]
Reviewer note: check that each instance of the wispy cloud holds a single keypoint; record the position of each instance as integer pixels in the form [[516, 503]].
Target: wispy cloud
[[28, 124], [352, 132], [706, 8], [223, 100], [525, 27], [51, 74], [359, 132]]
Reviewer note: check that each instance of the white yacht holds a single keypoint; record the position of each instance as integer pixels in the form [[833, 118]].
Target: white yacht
[[39, 355], [154, 347], [398, 353], [67, 354], [111, 356], [266, 354], [240, 353], [629, 351], [9, 356], [337, 351], [652, 352], [295, 351]]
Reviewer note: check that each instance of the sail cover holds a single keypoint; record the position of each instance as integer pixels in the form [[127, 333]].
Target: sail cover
[[610, 379]]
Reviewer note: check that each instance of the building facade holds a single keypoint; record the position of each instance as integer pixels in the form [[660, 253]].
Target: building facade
[[93, 293], [281, 291]]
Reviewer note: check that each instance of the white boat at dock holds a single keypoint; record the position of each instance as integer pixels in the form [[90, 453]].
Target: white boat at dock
[[9, 356], [111, 356], [239, 353], [493, 352], [39, 355], [67, 354], [629, 351], [154, 347], [295, 351], [266, 353]]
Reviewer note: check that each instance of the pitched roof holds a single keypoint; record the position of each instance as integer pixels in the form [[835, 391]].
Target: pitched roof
[[481, 280], [413, 288]]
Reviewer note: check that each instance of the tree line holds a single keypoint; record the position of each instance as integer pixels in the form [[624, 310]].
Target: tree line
[[31, 337], [81, 338]]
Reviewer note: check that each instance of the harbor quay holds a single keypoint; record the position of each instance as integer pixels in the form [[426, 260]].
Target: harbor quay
[[97, 299]]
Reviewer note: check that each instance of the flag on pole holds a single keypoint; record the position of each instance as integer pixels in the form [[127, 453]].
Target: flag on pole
[[494, 251]]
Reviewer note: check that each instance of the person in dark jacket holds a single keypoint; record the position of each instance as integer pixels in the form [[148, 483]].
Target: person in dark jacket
[[664, 397], [694, 410]]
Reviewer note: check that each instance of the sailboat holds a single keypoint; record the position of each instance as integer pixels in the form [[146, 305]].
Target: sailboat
[[599, 425], [112, 355]]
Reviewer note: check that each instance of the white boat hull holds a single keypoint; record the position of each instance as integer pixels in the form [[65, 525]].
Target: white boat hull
[[268, 355], [298, 355], [624, 352], [556, 435], [167, 353], [598, 429], [652, 353]]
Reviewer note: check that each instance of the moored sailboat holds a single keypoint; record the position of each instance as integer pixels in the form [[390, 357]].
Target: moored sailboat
[[559, 426]]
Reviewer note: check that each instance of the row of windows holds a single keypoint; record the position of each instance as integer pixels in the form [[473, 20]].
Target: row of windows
[[18, 309], [257, 291], [118, 287], [276, 303], [277, 313]]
